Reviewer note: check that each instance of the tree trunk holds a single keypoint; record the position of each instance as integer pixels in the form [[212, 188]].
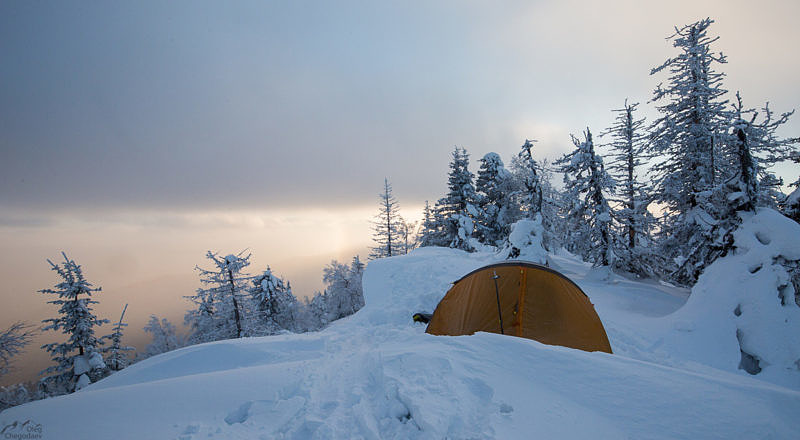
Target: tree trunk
[[235, 305]]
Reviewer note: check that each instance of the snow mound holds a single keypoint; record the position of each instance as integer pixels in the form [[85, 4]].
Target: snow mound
[[396, 288], [525, 242], [743, 313]]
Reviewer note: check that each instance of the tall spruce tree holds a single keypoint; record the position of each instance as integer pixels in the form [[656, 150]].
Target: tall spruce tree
[[531, 180], [78, 359], [588, 214], [688, 144], [494, 186], [455, 214], [387, 225]]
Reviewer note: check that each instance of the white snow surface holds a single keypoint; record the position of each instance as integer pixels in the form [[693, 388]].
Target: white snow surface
[[740, 294], [526, 236], [377, 375]]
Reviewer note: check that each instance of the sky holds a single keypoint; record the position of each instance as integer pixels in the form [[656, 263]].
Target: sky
[[135, 136]]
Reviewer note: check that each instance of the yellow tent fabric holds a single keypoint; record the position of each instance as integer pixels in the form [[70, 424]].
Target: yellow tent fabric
[[536, 302]]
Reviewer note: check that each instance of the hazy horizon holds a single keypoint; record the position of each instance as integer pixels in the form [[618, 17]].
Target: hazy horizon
[[151, 267]]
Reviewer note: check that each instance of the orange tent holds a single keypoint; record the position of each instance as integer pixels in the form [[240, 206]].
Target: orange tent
[[521, 299]]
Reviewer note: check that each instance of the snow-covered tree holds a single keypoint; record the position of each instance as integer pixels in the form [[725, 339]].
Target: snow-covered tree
[[627, 154], [790, 206], [687, 136], [766, 149], [530, 173], [17, 394], [165, 337], [494, 186], [408, 236], [344, 293], [725, 203], [315, 313], [116, 354], [387, 225], [455, 214], [78, 359], [274, 305], [534, 195], [428, 227], [12, 341], [627, 145], [688, 140], [588, 215], [744, 167], [434, 227], [219, 313]]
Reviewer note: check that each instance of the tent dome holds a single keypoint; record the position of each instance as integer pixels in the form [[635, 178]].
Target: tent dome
[[521, 299]]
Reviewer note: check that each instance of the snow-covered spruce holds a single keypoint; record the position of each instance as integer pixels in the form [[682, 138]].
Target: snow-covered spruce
[[687, 142], [531, 176], [116, 354], [495, 188], [455, 214], [273, 306], [534, 194], [588, 215], [78, 360]]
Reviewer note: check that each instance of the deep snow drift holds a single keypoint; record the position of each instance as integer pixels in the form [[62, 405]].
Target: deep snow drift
[[378, 375]]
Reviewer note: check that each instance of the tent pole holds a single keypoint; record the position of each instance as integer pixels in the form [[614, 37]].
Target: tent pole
[[497, 295]]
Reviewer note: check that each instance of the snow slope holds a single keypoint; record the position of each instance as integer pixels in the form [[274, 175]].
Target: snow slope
[[378, 375]]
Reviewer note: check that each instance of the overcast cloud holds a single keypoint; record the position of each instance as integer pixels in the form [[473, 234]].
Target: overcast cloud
[[195, 105]]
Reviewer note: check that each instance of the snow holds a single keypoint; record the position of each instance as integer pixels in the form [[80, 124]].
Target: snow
[[88, 362], [80, 365], [83, 382], [793, 198], [96, 361], [376, 374], [526, 237], [738, 297]]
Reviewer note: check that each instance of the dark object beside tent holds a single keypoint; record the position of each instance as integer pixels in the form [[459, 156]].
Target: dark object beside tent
[[521, 299]]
